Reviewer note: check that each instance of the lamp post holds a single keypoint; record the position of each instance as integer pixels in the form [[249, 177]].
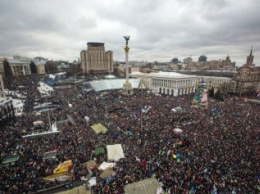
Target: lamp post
[[75, 78], [49, 116]]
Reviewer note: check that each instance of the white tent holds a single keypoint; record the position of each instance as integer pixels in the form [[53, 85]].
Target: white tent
[[92, 181], [177, 130], [115, 152], [105, 165], [38, 123]]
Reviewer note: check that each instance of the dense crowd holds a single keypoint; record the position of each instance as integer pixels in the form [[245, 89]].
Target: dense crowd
[[217, 152]]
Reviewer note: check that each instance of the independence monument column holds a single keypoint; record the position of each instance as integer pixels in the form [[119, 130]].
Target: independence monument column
[[127, 87]]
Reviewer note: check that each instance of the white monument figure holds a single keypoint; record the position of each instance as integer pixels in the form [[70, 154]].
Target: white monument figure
[[127, 87]]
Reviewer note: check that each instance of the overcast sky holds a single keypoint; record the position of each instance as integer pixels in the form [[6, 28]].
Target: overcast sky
[[160, 29]]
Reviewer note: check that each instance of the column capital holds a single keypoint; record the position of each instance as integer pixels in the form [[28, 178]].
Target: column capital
[[126, 49]]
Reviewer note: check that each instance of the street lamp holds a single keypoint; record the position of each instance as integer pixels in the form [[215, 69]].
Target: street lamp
[[49, 116], [75, 77]]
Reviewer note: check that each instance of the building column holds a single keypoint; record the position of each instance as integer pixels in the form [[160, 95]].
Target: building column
[[175, 92], [23, 70]]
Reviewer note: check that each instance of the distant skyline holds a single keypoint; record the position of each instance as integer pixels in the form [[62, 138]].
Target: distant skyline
[[159, 30]]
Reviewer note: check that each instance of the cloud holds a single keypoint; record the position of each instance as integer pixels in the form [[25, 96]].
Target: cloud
[[159, 30]]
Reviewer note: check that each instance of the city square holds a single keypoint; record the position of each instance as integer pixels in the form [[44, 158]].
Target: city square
[[217, 149], [129, 97]]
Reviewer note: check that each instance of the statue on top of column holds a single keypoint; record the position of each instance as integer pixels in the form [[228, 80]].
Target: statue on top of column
[[126, 39]]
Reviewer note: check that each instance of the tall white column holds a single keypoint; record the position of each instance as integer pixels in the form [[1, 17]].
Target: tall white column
[[126, 62], [127, 87]]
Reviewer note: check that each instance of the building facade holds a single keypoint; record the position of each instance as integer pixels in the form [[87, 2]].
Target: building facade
[[40, 68], [171, 83], [6, 111], [6, 106], [2, 91], [187, 60], [96, 59], [19, 68], [213, 82], [247, 77], [225, 64]]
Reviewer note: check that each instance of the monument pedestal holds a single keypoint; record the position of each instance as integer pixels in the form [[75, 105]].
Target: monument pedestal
[[127, 88]]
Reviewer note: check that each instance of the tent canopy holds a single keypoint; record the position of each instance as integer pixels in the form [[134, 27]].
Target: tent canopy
[[99, 128], [99, 150], [11, 159], [107, 173], [91, 164], [146, 186], [115, 152], [106, 165], [177, 130]]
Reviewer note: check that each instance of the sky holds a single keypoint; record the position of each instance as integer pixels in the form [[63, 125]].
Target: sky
[[159, 30]]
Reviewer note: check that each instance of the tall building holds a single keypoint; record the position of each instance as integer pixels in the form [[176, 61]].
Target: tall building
[[202, 58], [2, 91], [187, 60], [95, 59], [247, 77]]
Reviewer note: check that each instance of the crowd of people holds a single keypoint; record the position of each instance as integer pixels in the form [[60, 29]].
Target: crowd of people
[[218, 151]]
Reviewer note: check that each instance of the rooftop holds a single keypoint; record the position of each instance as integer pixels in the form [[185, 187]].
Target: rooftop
[[100, 85], [164, 74], [12, 61], [95, 44]]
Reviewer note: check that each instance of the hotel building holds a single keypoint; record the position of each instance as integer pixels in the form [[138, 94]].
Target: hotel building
[[95, 59]]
